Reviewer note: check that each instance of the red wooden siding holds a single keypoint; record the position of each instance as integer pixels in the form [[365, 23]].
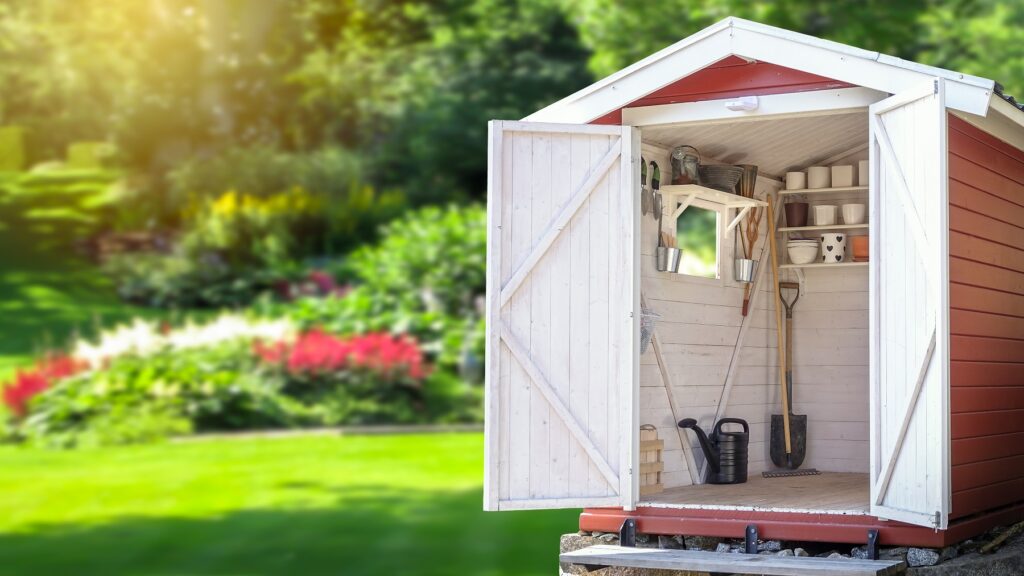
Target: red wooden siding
[[986, 268], [729, 78]]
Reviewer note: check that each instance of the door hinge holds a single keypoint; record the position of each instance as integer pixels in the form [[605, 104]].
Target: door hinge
[[937, 519], [935, 86]]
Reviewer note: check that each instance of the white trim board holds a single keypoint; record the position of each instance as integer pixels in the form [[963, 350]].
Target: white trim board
[[666, 505], [771, 107], [751, 40]]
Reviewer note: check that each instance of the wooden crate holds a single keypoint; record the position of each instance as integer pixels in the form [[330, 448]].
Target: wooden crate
[[651, 465]]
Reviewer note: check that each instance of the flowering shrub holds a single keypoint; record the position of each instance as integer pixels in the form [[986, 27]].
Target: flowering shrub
[[374, 377], [30, 383], [142, 338], [317, 353]]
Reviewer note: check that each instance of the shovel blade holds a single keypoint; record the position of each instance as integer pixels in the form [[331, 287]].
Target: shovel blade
[[798, 441]]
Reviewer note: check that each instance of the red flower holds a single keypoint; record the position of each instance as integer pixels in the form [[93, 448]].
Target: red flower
[[46, 373], [316, 352]]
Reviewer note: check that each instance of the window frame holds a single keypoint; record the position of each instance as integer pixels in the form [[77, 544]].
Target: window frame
[[720, 247]]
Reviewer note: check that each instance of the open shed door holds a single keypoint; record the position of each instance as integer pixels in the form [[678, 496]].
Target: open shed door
[[909, 298], [562, 316]]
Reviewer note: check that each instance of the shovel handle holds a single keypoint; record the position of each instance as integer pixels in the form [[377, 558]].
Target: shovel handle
[[789, 348], [778, 321]]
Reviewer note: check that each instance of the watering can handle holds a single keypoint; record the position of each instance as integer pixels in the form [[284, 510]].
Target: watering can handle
[[718, 427]]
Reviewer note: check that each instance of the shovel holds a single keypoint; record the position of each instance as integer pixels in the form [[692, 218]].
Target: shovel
[[792, 455]]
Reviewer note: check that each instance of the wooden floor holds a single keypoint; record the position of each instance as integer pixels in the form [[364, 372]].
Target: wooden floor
[[831, 492]]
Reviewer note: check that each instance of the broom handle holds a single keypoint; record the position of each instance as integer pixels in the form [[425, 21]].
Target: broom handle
[[778, 323]]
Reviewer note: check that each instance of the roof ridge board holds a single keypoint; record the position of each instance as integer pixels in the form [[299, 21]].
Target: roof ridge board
[[879, 57], [648, 60]]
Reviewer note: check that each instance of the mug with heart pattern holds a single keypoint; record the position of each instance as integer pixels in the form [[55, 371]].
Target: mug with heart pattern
[[833, 248]]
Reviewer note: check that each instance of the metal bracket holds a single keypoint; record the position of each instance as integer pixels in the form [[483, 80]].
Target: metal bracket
[[627, 533], [750, 539], [872, 547]]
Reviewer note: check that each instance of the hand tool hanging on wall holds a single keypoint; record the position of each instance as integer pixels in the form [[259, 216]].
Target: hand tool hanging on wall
[[656, 187], [751, 226], [793, 458], [646, 196]]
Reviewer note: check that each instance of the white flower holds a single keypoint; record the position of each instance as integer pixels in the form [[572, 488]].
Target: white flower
[[142, 338]]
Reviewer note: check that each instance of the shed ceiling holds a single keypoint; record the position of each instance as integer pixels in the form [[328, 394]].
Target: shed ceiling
[[775, 145]]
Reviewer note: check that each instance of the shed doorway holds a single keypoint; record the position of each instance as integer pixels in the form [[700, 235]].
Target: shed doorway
[[708, 361]]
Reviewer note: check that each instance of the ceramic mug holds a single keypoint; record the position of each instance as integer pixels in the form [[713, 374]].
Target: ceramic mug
[[833, 247]]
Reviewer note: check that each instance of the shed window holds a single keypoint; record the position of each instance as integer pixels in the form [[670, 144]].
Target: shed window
[[697, 236]]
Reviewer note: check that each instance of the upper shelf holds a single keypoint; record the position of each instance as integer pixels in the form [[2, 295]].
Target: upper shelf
[[685, 194], [816, 228], [711, 195], [813, 191]]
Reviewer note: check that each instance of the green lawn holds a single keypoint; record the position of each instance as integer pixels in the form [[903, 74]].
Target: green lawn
[[303, 505], [47, 290]]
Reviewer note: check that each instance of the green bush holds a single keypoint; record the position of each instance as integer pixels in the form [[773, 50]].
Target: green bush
[[139, 399], [236, 248], [432, 259], [426, 277]]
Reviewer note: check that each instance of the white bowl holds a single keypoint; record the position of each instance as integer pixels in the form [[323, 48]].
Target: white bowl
[[854, 213], [802, 253]]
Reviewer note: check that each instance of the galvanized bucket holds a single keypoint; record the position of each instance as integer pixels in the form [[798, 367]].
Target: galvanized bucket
[[668, 259], [746, 269]]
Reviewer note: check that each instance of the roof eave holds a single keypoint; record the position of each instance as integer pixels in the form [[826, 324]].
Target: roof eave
[[746, 39]]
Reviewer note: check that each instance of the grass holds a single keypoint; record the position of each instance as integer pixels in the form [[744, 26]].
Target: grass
[[301, 505], [47, 291]]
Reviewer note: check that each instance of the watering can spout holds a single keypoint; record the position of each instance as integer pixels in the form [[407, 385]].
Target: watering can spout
[[710, 452]]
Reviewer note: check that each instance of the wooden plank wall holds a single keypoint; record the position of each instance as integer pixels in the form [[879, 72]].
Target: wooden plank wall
[[986, 268], [700, 321], [567, 314], [732, 76]]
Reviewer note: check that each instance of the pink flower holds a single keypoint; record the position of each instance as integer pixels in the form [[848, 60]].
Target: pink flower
[[28, 384], [316, 352]]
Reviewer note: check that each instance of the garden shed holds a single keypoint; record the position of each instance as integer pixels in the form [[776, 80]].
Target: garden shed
[[908, 361]]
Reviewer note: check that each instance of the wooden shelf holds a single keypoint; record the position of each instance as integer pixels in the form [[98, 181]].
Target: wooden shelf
[[685, 194], [711, 195], [815, 191], [850, 264], [813, 228]]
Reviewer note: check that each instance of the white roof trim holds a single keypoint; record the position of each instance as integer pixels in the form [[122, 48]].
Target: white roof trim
[[746, 39]]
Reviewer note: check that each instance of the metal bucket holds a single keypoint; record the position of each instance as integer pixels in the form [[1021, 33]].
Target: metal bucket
[[745, 270], [668, 259]]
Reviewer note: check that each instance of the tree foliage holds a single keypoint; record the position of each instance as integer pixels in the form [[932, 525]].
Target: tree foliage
[[409, 84]]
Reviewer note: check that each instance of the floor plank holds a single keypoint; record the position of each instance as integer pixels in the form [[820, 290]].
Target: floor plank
[[831, 492]]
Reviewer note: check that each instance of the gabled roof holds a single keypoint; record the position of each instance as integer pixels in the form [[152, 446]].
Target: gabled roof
[[746, 39]]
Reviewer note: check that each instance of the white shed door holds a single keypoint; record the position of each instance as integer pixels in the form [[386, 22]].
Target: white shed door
[[562, 316], [909, 308]]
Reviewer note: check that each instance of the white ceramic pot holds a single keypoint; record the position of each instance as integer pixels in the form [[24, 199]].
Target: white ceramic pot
[[796, 180], [802, 252], [825, 215], [842, 176], [833, 247], [862, 173], [819, 177], [854, 213]]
